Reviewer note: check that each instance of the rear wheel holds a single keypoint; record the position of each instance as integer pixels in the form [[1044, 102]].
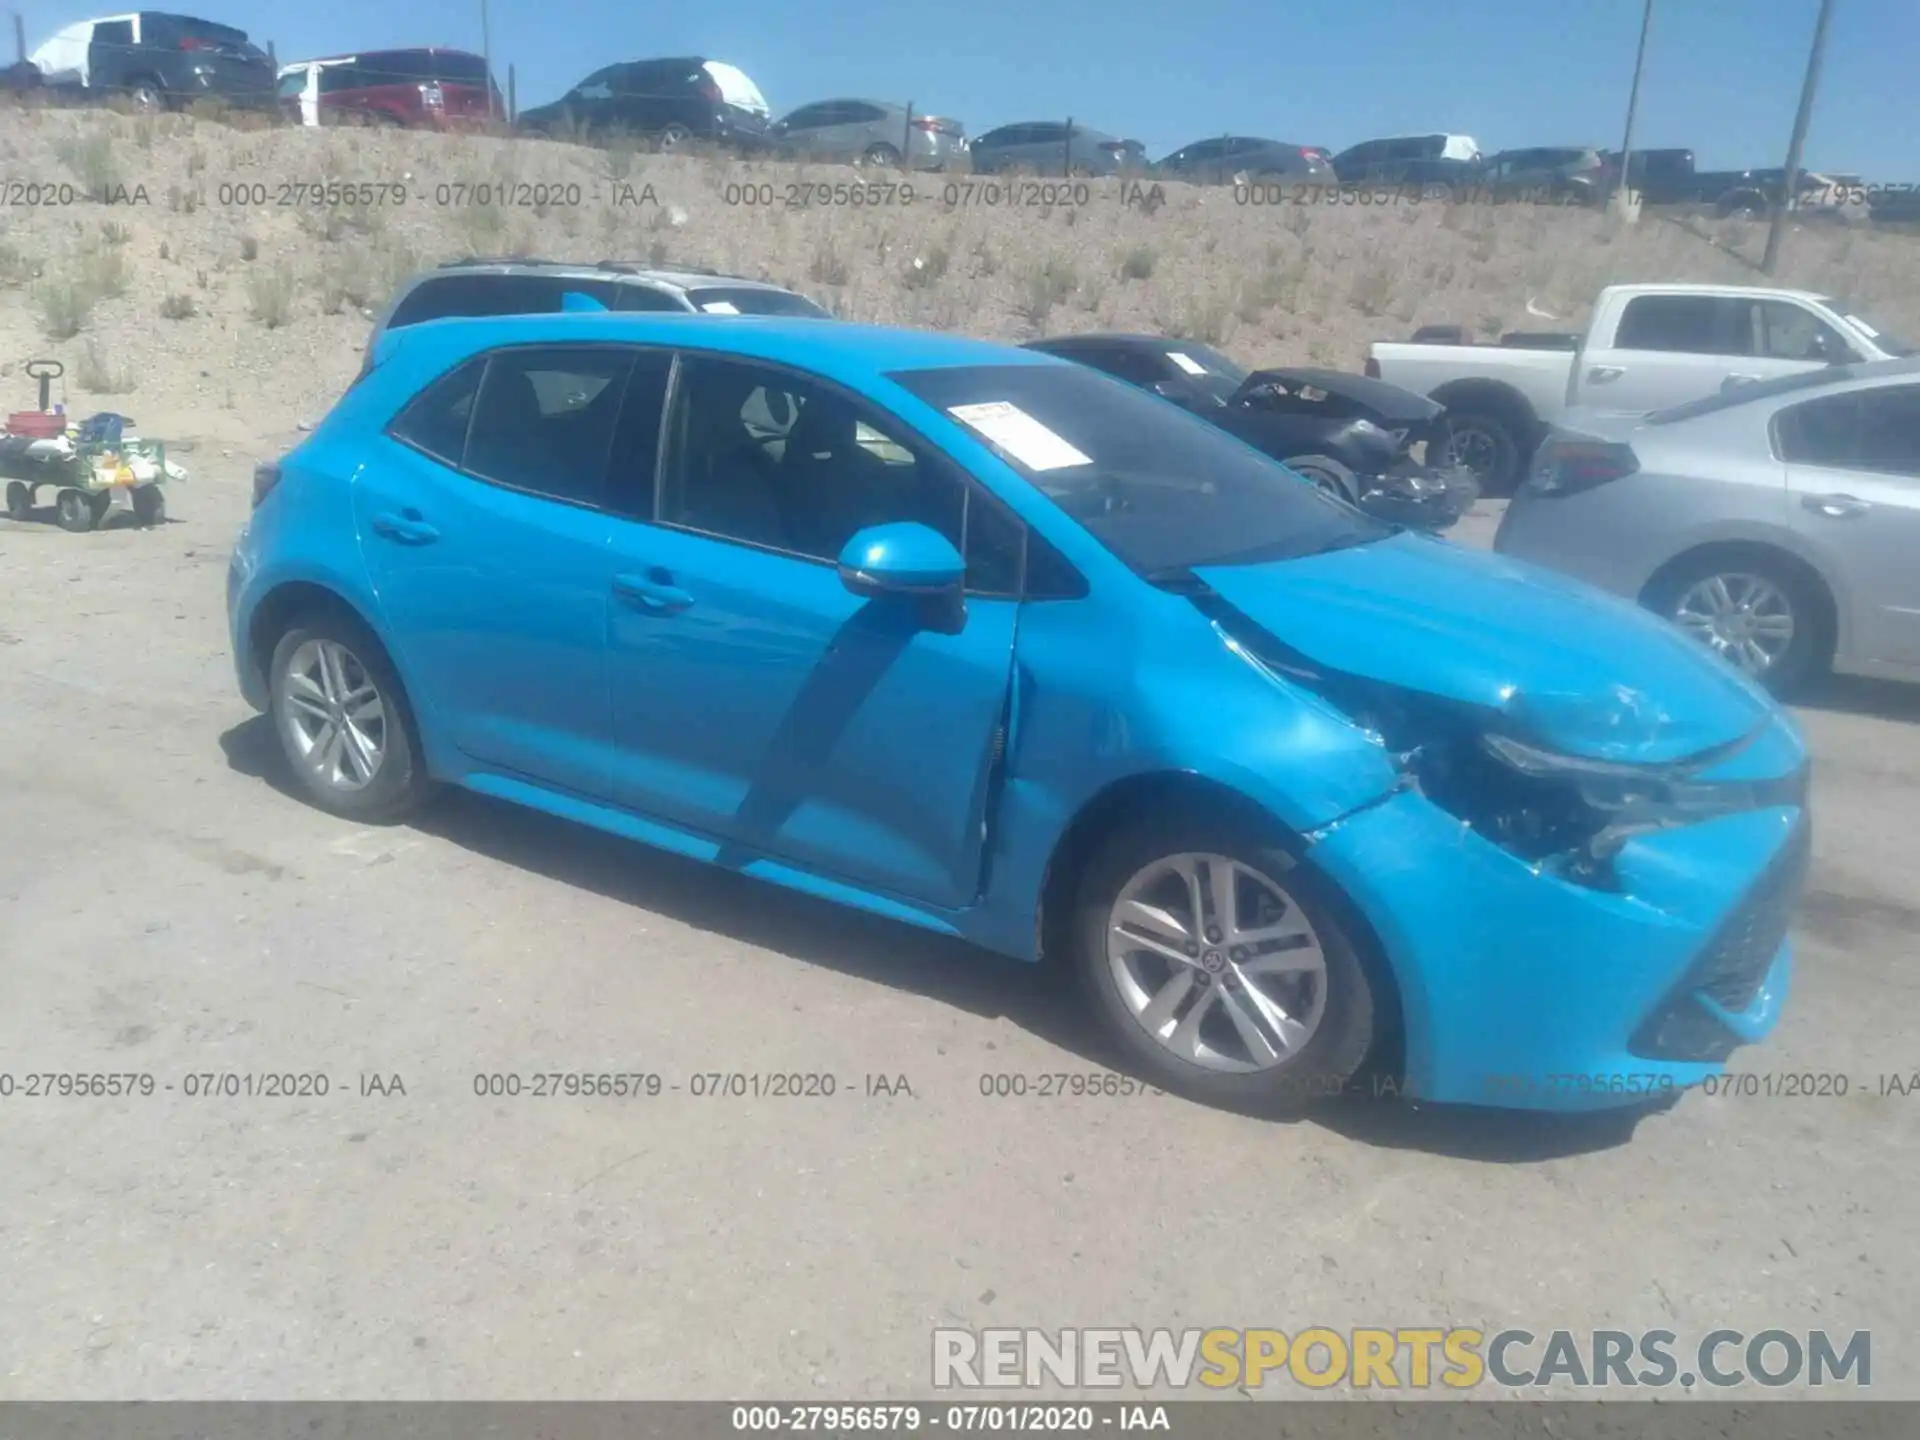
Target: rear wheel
[[343, 721], [675, 137], [19, 500], [880, 156], [1485, 445], [73, 511], [146, 94], [1221, 967], [1758, 613]]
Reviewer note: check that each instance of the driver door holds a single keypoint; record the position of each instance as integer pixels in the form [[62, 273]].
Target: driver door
[[754, 699]]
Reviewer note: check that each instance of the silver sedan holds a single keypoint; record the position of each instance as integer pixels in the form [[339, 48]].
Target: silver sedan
[[1778, 522]]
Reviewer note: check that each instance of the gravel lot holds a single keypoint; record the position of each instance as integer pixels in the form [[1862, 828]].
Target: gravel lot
[[164, 909]]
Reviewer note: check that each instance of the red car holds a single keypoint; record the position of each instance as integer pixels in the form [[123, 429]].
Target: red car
[[415, 88]]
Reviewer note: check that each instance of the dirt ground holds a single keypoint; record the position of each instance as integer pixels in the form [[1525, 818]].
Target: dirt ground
[[166, 909]]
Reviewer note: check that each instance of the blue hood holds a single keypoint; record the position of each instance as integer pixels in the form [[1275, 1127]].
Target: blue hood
[[1571, 668]]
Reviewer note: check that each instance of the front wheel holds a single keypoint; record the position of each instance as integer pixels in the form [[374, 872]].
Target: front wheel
[[1221, 967], [675, 137], [343, 722], [880, 157], [74, 510], [19, 500]]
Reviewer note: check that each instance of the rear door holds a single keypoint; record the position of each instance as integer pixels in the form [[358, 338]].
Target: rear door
[[1853, 474], [111, 54], [480, 520]]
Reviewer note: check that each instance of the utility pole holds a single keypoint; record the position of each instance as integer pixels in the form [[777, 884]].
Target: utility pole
[[1790, 182], [486, 54], [1621, 183]]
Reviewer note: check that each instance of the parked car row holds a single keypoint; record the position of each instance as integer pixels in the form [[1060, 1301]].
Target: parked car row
[[157, 59]]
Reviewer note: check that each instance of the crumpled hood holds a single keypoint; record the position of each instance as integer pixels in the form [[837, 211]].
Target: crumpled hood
[[1572, 668], [1392, 403]]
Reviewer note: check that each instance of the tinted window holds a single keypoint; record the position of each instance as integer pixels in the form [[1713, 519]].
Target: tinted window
[[544, 420], [1136, 367], [1159, 488], [645, 297], [769, 458], [1042, 134], [336, 78], [436, 421], [460, 68], [480, 294], [806, 117], [397, 67], [749, 301], [634, 467], [1792, 332], [1862, 430], [1687, 324], [860, 113], [113, 32]]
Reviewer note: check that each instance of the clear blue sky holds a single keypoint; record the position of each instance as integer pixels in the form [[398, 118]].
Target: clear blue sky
[[1722, 76]]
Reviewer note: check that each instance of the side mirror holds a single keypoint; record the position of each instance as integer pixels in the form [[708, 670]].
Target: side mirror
[[903, 558]]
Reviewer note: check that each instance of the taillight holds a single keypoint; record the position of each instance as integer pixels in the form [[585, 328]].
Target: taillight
[[927, 123], [265, 477], [1371, 369], [1568, 466]]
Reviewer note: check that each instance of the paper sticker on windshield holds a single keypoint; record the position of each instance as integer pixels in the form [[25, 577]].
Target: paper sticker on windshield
[[721, 307], [1020, 435], [1186, 362]]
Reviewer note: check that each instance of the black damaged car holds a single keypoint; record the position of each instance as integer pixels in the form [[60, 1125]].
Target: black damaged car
[[1377, 446]]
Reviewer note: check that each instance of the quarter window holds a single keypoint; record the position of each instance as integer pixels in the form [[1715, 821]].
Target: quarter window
[[544, 420], [437, 420]]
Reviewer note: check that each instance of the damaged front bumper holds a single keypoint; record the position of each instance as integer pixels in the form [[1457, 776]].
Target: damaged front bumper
[[1421, 497], [1523, 988]]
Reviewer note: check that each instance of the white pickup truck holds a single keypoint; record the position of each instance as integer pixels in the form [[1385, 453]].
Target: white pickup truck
[[1646, 348]]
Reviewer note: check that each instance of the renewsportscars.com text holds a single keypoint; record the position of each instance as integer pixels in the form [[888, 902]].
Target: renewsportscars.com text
[[1454, 1358]]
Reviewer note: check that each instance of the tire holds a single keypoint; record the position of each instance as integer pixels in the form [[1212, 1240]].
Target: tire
[[1328, 474], [674, 138], [100, 502], [881, 156], [1685, 592], [1326, 1053], [150, 505], [146, 94], [19, 500], [1485, 444], [398, 781], [73, 511]]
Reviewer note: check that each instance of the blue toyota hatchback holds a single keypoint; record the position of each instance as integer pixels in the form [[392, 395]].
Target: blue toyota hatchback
[[994, 644]]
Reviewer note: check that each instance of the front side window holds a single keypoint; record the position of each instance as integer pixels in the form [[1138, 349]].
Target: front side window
[[1784, 331], [1876, 430], [1160, 489], [770, 459]]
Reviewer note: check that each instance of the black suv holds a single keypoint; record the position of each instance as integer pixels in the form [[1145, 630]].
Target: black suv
[[670, 102], [158, 61]]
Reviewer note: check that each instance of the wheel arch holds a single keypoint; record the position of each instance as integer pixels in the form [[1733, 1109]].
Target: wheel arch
[[1491, 397], [1162, 791], [1829, 615]]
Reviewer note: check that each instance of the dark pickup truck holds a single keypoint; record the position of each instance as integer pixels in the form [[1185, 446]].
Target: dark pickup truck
[[1668, 177]]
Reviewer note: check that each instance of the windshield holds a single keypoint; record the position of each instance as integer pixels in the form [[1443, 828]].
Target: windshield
[[1158, 487], [744, 300], [1208, 369], [1873, 332]]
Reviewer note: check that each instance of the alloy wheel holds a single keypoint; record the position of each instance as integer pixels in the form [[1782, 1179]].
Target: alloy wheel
[[335, 717], [1477, 451], [1217, 962], [1747, 619]]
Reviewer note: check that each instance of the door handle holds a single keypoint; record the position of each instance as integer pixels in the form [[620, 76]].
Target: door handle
[[1733, 380], [407, 528], [1835, 507], [653, 591], [1601, 374]]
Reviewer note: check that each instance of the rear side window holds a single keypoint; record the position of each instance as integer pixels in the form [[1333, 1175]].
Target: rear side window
[[1875, 430], [471, 295], [113, 32], [544, 420], [437, 420], [744, 300], [645, 297], [1685, 324]]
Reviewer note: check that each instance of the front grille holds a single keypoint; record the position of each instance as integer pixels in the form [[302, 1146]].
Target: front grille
[[1732, 965]]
